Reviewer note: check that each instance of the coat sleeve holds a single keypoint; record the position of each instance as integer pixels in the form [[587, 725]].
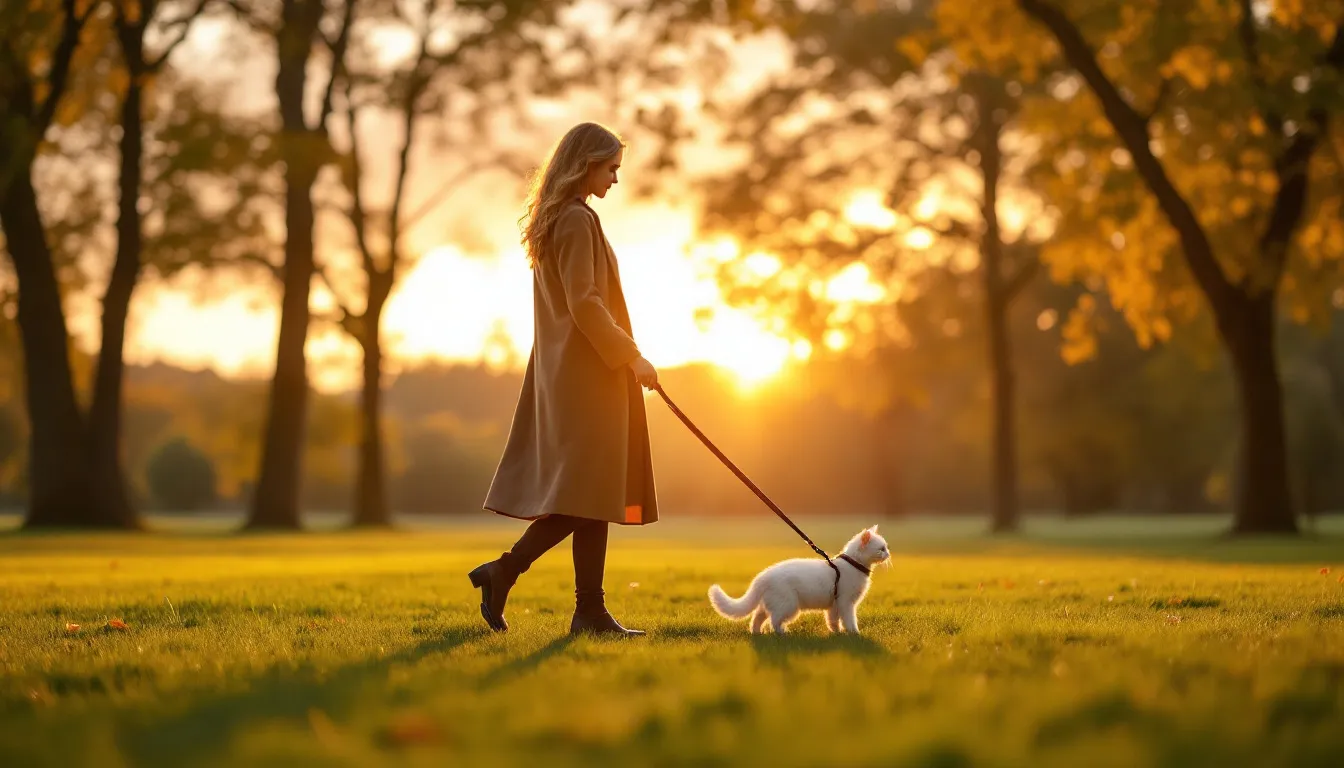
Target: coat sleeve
[[576, 253]]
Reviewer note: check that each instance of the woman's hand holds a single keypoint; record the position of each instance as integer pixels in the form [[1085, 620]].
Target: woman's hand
[[645, 373]]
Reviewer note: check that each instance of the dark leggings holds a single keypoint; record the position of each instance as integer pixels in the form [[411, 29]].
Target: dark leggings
[[590, 548]]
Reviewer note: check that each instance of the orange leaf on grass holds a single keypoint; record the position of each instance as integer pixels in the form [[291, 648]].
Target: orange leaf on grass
[[1325, 571], [71, 628], [117, 624], [412, 728]]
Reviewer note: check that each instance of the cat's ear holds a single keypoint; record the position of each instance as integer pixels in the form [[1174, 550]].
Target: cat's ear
[[866, 537], [873, 529]]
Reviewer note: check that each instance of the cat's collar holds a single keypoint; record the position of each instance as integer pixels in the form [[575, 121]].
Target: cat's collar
[[865, 570]]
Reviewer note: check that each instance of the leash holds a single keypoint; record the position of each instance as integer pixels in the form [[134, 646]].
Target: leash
[[835, 593]]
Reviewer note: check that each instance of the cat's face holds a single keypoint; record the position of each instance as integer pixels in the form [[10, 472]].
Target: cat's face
[[873, 547]]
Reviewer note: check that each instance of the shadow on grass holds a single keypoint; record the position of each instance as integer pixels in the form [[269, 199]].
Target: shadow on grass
[[531, 661], [779, 649], [1268, 550], [695, 632], [206, 728]]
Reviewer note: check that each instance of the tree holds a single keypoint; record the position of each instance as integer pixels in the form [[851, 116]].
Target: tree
[[59, 485], [450, 81], [181, 477], [1221, 114], [132, 19], [305, 149], [932, 139]]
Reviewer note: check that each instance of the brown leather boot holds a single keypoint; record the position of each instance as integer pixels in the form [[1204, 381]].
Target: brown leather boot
[[591, 617], [494, 579]]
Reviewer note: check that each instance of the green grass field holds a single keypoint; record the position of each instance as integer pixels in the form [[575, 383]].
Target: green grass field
[[1067, 646]]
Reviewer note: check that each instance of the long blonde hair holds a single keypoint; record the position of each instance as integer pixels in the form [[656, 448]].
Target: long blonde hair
[[558, 180]]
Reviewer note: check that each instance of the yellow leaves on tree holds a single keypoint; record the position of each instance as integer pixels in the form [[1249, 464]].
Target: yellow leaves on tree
[[1078, 334], [994, 35], [1198, 65]]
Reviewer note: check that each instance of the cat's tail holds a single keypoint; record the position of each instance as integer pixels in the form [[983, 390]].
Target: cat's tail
[[739, 608]]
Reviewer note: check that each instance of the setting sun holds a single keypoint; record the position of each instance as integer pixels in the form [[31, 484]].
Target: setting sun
[[450, 304]]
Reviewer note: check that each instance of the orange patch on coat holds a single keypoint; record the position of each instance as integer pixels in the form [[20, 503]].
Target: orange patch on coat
[[634, 513]]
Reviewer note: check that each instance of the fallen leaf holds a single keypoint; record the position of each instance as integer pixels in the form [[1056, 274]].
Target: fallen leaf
[[1325, 571], [71, 628], [412, 728], [634, 585], [117, 624]]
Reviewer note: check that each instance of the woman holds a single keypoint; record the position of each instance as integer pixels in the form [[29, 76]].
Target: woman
[[577, 457]]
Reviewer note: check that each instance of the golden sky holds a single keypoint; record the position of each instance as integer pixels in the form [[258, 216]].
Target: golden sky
[[457, 307], [454, 306]]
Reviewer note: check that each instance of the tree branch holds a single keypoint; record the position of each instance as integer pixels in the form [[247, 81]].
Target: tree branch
[[183, 25], [337, 60], [1292, 169], [1132, 129], [1250, 48], [245, 15], [321, 272], [414, 87], [257, 260], [443, 192], [357, 214], [1159, 101], [953, 230], [57, 78]]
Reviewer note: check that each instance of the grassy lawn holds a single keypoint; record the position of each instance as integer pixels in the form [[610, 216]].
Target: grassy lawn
[[1148, 643]]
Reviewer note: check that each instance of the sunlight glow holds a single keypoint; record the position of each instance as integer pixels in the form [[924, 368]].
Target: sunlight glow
[[762, 265], [458, 307], [835, 339], [854, 283], [867, 208], [450, 304], [920, 238]]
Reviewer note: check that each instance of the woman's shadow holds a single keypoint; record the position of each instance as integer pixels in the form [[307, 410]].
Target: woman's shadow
[[203, 727]]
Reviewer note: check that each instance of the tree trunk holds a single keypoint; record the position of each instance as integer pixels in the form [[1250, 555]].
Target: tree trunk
[[1004, 511], [276, 501], [1264, 501], [371, 509], [105, 413], [58, 473], [1245, 320]]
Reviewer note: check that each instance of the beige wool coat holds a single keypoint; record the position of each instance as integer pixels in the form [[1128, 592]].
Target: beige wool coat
[[579, 441]]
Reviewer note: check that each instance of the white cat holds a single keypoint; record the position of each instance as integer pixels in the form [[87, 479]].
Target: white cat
[[781, 591]]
